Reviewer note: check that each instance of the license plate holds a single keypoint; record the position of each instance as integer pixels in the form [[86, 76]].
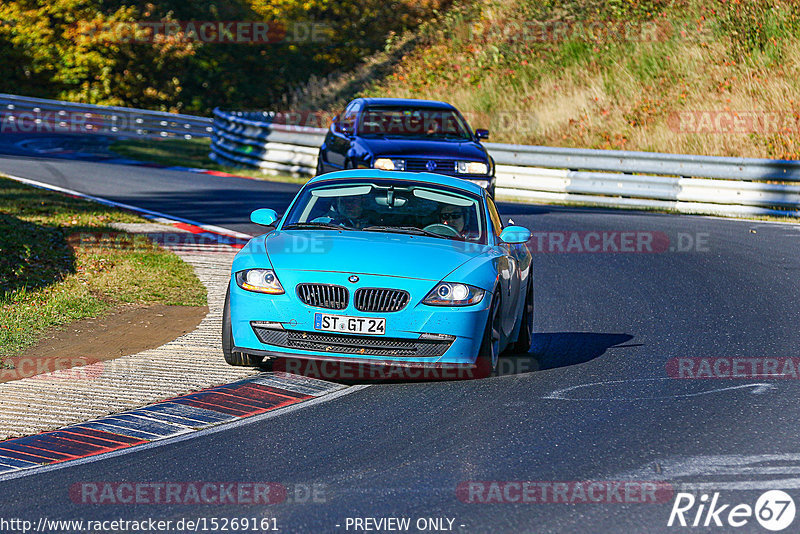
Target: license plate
[[350, 325]]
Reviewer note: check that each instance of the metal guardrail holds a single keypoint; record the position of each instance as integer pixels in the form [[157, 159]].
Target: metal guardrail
[[686, 195], [612, 178], [621, 161], [254, 140], [28, 115]]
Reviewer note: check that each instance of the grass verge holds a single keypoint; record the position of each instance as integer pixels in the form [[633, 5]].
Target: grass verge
[[188, 153], [49, 276]]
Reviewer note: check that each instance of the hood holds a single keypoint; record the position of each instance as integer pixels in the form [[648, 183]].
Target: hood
[[425, 148], [376, 253]]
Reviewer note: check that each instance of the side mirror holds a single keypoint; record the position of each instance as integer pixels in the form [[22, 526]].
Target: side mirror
[[335, 123], [264, 216], [515, 235], [482, 134]]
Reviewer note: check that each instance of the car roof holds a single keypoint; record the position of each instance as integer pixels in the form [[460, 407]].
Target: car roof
[[423, 177], [407, 102]]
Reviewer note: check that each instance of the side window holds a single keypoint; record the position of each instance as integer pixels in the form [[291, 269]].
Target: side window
[[340, 119], [347, 120], [494, 216]]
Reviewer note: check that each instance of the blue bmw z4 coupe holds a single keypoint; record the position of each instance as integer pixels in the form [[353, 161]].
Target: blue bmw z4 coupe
[[395, 134], [382, 267]]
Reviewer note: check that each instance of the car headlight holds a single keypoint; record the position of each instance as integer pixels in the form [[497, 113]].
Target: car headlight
[[451, 294], [390, 164], [260, 281], [471, 167]]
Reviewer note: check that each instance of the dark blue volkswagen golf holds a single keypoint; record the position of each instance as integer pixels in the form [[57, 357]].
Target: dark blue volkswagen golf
[[397, 134]]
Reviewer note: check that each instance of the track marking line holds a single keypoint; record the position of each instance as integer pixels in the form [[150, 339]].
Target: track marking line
[[560, 394], [150, 214]]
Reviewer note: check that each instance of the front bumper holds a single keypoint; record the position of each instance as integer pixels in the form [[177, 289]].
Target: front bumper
[[281, 325]]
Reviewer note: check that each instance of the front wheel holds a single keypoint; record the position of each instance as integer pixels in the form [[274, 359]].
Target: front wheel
[[240, 359], [489, 352], [525, 337]]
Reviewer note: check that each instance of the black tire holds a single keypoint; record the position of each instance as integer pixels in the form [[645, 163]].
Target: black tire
[[525, 337], [489, 352], [239, 359]]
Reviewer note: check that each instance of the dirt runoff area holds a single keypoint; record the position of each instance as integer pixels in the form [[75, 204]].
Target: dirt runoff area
[[123, 331]]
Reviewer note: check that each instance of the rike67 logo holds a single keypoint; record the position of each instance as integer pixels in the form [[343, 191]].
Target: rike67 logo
[[774, 510]]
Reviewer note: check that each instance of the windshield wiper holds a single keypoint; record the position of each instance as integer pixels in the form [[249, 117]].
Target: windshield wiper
[[306, 225], [402, 230], [447, 136]]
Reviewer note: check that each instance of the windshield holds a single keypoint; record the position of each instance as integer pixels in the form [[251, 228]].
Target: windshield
[[390, 206], [423, 123]]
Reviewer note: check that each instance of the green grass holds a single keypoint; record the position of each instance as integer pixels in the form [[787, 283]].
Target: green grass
[[188, 153], [49, 276]]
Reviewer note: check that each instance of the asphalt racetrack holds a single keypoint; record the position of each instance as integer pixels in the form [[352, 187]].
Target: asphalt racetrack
[[607, 394]]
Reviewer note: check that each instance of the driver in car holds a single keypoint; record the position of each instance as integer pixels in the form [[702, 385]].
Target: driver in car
[[455, 217], [348, 211]]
